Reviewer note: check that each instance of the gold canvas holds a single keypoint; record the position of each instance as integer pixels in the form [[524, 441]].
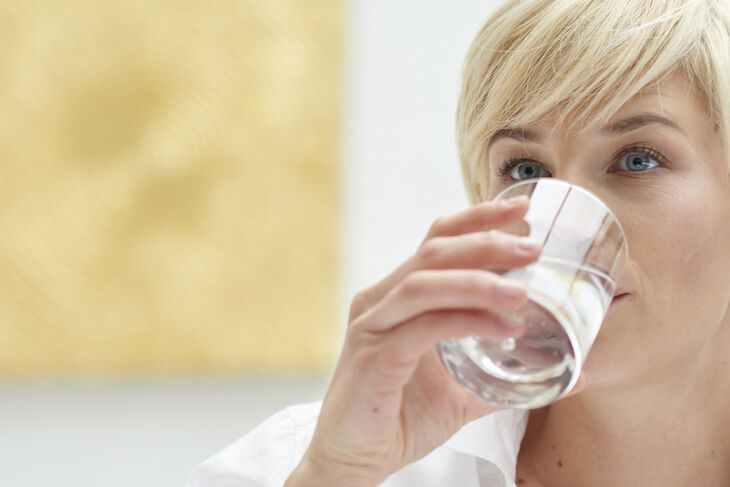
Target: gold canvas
[[168, 188]]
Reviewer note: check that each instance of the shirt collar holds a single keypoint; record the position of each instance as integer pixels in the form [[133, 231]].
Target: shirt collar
[[495, 437]]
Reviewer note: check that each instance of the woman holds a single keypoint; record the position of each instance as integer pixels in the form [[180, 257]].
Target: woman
[[630, 100]]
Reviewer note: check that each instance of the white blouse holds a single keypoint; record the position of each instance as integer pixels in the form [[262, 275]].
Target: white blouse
[[482, 454]]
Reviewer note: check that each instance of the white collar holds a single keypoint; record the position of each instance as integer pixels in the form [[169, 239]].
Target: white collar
[[495, 437]]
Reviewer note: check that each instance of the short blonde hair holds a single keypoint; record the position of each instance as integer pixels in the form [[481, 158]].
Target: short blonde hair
[[581, 60]]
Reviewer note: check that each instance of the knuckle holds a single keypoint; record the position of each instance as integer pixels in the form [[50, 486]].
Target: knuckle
[[356, 333], [368, 348], [480, 281], [485, 243], [491, 238], [360, 303], [473, 282], [413, 284], [437, 225], [495, 239], [360, 346], [431, 249], [360, 336]]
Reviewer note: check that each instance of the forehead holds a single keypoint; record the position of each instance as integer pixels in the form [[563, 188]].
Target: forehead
[[666, 97], [670, 102]]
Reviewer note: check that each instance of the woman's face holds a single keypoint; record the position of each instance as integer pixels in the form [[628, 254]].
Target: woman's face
[[659, 165]]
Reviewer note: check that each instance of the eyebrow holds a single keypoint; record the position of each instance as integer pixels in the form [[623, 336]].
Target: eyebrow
[[635, 122], [616, 128], [516, 134]]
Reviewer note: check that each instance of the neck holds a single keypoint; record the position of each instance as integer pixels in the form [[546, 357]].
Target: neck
[[659, 433]]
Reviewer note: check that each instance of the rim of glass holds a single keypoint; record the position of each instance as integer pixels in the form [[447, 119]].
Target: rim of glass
[[535, 181]]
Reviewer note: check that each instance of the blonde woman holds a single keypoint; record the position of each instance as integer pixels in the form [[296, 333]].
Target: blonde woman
[[631, 100]]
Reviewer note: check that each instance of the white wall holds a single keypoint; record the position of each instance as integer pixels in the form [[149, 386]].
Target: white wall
[[400, 172], [400, 164]]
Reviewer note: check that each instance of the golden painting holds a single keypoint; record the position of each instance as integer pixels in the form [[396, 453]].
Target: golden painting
[[169, 186]]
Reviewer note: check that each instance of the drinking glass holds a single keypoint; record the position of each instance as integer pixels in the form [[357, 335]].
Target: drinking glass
[[569, 290]]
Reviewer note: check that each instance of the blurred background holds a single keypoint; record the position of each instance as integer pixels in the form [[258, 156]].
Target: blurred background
[[190, 195]]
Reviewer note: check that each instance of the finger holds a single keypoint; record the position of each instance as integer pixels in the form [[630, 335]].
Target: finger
[[485, 216], [430, 290], [480, 217], [479, 250], [391, 357], [413, 339]]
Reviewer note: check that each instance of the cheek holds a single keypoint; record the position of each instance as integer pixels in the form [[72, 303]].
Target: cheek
[[683, 257]]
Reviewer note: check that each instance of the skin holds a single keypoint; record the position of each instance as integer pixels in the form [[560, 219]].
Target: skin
[[654, 411], [391, 401], [652, 406]]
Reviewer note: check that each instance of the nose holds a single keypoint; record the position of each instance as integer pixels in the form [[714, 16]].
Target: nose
[[572, 173], [577, 173]]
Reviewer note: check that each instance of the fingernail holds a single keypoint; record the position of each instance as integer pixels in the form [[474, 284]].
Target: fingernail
[[509, 289], [527, 243]]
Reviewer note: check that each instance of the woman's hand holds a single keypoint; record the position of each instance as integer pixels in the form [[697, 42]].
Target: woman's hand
[[391, 401]]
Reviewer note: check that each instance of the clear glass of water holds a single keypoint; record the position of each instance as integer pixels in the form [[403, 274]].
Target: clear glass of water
[[569, 290]]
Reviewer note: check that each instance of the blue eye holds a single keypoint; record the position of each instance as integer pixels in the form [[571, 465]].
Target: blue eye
[[634, 159], [637, 162], [522, 169]]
